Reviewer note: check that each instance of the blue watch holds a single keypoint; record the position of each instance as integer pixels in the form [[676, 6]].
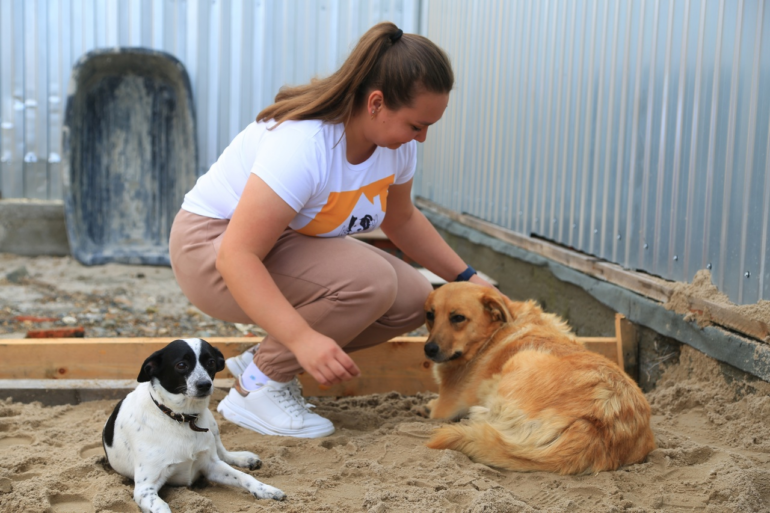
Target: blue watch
[[466, 274]]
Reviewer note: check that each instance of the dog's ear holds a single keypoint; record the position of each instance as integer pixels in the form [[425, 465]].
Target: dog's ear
[[217, 354], [150, 367], [495, 305], [219, 357]]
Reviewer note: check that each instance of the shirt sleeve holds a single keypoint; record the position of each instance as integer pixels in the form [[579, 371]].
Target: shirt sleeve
[[409, 159], [290, 163]]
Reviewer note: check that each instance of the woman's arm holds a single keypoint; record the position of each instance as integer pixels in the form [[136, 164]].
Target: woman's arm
[[259, 219], [408, 228]]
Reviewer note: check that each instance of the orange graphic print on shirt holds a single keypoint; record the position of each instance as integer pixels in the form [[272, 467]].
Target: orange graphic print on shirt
[[340, 206]]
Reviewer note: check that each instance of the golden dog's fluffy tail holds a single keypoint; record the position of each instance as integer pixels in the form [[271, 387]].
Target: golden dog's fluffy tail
[[561, 445]]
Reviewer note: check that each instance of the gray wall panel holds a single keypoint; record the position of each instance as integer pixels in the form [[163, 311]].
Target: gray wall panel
[[238, 53], [636, 131]]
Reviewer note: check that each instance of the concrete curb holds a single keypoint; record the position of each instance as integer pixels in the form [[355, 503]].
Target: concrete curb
[[748, 355], [55, 392], [33, 227]]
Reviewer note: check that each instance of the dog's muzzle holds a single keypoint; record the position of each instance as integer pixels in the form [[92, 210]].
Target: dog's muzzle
[[433, 352], [203, 388]]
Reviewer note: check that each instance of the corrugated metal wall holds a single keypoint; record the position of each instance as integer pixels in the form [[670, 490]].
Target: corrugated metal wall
[[637, 131], [237, 53]]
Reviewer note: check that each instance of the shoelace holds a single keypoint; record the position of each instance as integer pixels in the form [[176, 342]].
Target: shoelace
[[288, 396], [296, 392]]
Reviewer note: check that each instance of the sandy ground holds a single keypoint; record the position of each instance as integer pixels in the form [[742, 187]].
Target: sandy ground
[[702, 287], [713, 432]]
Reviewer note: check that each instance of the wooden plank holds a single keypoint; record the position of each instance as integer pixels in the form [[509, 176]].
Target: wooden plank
[[376, 234], [398, 365], [605, 346], [718, 314], [92, 358], [121, 358], [436, 280], [643, 284], [628, 346], [619, 345]]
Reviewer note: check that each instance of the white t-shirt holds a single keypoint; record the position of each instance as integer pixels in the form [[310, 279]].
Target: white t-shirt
[[305, 163]]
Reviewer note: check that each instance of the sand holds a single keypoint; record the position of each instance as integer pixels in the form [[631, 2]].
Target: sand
[[713, 432], [713, 455], [703, 287]]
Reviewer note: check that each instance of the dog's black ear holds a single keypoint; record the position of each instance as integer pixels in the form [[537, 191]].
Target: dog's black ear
[[495, 305], [150, 367], [219, 358]]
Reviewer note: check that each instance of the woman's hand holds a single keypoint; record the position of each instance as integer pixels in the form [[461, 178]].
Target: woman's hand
[[323, 359]]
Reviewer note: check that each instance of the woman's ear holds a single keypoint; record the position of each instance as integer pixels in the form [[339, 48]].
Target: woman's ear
[[495, 306], [375, 103]]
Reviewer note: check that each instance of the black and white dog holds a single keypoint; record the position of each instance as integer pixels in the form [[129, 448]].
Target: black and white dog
[[163, 431]]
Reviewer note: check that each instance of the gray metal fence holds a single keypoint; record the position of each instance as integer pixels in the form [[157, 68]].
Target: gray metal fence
[[637, 131], [237, 53]]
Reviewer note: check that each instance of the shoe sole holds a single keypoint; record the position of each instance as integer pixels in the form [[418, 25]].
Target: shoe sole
[[253, 423], [235, 366]]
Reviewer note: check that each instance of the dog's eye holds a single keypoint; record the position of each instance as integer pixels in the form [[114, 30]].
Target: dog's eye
[[181, 366], [429, 316], [457, 318], [210, 363]]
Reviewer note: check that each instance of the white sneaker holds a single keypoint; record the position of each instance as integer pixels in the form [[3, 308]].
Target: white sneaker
[[274, 409], [237, 364]]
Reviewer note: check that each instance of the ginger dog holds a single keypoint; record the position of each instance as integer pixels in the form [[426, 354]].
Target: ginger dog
[[537, 399]]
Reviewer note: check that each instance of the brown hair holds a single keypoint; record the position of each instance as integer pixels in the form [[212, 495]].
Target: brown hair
[[401, 66]]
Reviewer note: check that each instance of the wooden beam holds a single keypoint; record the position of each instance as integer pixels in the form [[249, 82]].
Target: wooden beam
[[605, 346], [640, 283], [718, 314], [376, 234], [628, 346], [399, 365], [643, 284], [92, 358]]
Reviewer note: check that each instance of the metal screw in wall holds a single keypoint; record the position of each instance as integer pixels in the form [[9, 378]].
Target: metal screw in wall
[[676, 258], [708, 266], [747, 274]]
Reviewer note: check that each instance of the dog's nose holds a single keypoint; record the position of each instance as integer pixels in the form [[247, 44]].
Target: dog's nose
[[431, 349], [203, 385]]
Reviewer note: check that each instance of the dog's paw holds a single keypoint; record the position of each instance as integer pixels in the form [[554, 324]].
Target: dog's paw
[[425, 410], [245, 459], [268, 492]]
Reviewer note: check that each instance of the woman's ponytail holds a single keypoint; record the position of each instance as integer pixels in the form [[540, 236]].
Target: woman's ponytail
[[400, 65]]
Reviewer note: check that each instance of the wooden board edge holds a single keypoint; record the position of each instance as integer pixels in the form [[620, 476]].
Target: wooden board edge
[[154, 340], [645, 285]]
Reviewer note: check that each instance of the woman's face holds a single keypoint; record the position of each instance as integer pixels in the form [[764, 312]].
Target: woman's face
[[392, 128]]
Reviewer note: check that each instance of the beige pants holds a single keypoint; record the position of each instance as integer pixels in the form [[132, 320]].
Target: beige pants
[[348, 290]]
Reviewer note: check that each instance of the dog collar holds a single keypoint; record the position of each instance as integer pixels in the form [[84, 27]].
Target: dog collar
[[179, 417]]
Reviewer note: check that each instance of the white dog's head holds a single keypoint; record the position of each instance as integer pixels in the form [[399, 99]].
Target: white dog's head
[[185, 367]]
